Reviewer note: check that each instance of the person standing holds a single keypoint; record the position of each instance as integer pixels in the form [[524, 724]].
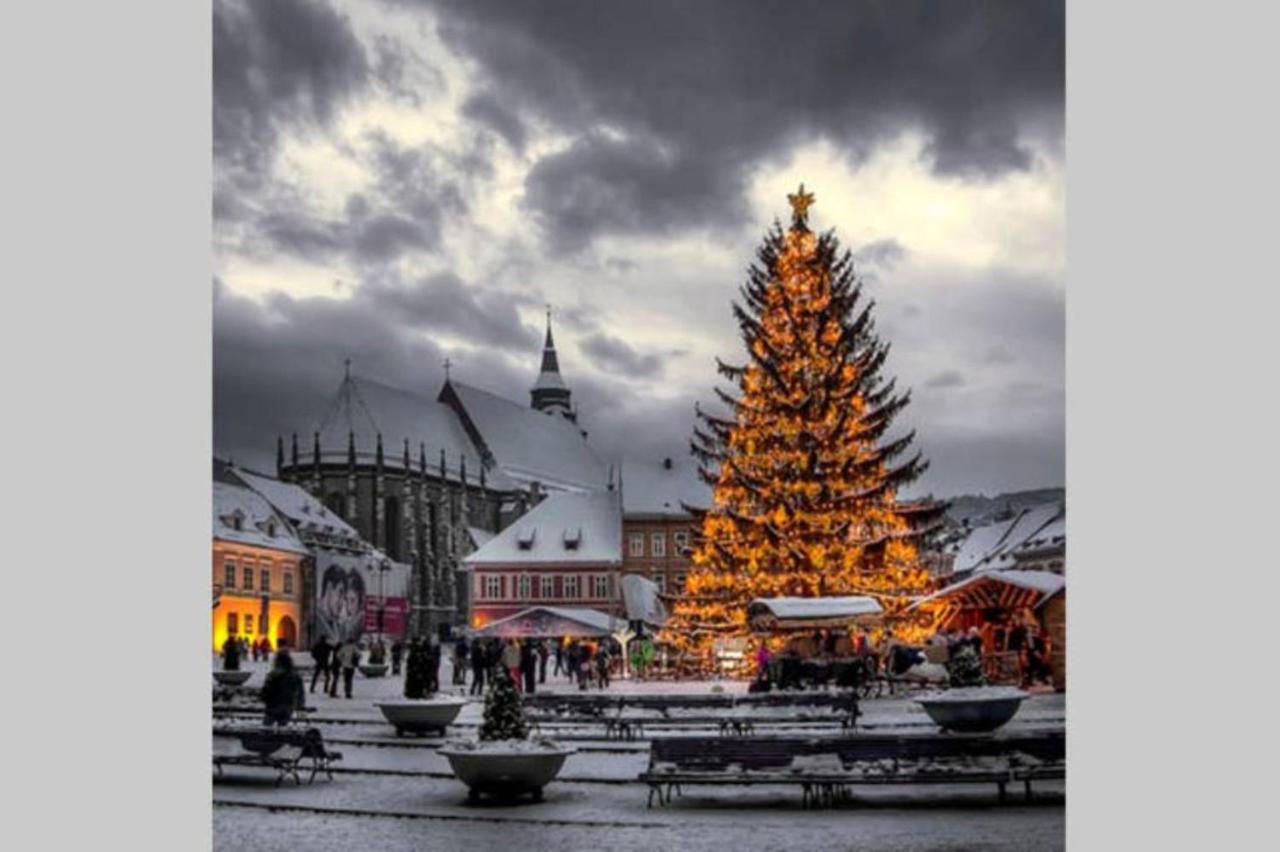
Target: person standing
[[461, 650], [559, 668], [281, 691], [231, 655], [348, 656], [511, 661], [433, 663], [602, 665], [477, 666], [529, 665], [321, 651], [397, 655], [544, 651]]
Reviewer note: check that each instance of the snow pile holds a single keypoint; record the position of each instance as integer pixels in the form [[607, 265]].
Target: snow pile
[[538, 745], [974, 693]]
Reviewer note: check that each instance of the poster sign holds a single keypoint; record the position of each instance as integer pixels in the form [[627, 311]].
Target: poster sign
[[395, 615], [349, 589]]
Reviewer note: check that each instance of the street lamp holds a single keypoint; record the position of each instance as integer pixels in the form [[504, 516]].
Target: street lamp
[[383, 567]]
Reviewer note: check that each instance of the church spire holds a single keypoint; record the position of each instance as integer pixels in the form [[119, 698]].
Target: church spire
[[549, 393]]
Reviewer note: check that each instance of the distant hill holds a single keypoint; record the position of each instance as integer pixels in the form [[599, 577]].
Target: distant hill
[[980, 509]]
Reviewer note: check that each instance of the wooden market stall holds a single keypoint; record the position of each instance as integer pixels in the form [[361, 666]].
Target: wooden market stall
[[998, 603]]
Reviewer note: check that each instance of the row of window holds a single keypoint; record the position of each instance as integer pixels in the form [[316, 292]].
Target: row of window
[[499, 587], [234, 623], [246, 576], [657, 543]]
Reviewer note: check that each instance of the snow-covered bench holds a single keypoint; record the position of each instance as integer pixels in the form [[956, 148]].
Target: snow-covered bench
[[824, 767], [282, 749]]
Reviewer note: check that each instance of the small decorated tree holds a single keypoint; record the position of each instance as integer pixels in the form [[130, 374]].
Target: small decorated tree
[[965, 668], [417, 675], [503, 715]]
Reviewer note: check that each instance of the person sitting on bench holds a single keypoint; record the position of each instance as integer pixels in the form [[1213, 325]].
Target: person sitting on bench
[[282, 692]]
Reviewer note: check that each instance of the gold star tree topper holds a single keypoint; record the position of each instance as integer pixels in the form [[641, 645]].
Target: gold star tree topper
[[800, 203]]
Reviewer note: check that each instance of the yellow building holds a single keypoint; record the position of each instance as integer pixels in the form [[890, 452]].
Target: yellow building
[[257, 570]]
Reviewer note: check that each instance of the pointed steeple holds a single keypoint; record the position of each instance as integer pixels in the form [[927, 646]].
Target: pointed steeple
[[549, 392]]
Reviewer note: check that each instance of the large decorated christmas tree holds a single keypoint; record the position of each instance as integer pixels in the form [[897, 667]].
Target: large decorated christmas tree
[[803, 469]]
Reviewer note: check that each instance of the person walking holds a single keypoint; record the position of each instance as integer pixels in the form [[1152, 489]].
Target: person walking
[[511, 661], [231, 655], [321, 652], [559, 668], [543, 652], [603, 657], [478, 664], [348, 657], [281, 691], [529, 665]]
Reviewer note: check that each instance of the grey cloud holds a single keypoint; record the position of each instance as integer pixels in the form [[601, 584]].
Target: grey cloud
[[444, 303], [692, 104], [490, 110], [287, 62], [946, 379], [614, 354], [884, 254]]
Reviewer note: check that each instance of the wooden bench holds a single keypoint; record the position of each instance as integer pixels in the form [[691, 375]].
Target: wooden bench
[[826, 766], [283, 749]]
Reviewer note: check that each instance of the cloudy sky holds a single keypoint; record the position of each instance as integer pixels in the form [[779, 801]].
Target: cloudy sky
[[401, 182]]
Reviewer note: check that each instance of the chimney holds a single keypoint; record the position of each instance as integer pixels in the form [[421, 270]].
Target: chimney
[[666, 463]]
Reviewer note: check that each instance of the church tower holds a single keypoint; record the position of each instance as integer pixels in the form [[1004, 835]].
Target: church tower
[[549, 393]]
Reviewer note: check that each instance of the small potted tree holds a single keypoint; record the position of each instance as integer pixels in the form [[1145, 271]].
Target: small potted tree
[[505, 762], [971, 705], [422, 711], [377, 665]]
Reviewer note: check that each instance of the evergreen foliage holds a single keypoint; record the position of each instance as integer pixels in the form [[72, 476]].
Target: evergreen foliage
[[965, 668], [503, 714], [417, 672]]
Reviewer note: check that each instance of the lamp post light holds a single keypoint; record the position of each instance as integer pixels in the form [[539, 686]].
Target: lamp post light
[[383, 567]]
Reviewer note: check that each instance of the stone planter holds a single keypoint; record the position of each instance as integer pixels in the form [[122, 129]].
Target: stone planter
[[231, 678], [973, 709], [506, 769], [373, 669], [425, 716]]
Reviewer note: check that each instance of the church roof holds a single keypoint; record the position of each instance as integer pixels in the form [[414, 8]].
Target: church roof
[[259, 525], [530, 445], [366, 407], [567, 527]]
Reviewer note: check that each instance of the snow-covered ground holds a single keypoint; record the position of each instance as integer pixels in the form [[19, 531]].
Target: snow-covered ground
[[397, 793]]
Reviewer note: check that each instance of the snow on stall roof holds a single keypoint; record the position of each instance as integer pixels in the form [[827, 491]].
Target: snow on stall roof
[[400, 414], [597, 513], [1045, 582], [255, 514], [593, 618], [830, 607], [651, 488], [640, 596], [295, 503], [531, 445]]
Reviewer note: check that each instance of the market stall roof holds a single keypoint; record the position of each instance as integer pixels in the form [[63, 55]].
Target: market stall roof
[[810, 613], [640, 596], [553, 621], [1010, 589]]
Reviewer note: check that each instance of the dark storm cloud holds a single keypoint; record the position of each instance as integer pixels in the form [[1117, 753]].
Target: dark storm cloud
[[615, 355], [287, 62], [946, 379], [491, 111], [445, 303], [672, 103]]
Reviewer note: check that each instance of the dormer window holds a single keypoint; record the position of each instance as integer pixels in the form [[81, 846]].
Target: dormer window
[[271, 529], [526, 537], [572, 538]]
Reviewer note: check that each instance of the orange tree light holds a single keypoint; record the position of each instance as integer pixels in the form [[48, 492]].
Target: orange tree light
[[803, 477]]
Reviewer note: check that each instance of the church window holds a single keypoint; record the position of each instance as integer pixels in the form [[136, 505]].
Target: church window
[[548, 587], [570, 587], [658, 544], [391, 527], [229, 574], [635, 544], [336, 503]]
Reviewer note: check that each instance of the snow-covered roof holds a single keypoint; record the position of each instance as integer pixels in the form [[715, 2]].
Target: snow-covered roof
[[554, 621], [235, 505], [400, 414], [991, 547], [547, 532], [530, 445], [829, 607], [640, 596], [479, 537], [654, 488], [293, 501], [1046, 583]]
